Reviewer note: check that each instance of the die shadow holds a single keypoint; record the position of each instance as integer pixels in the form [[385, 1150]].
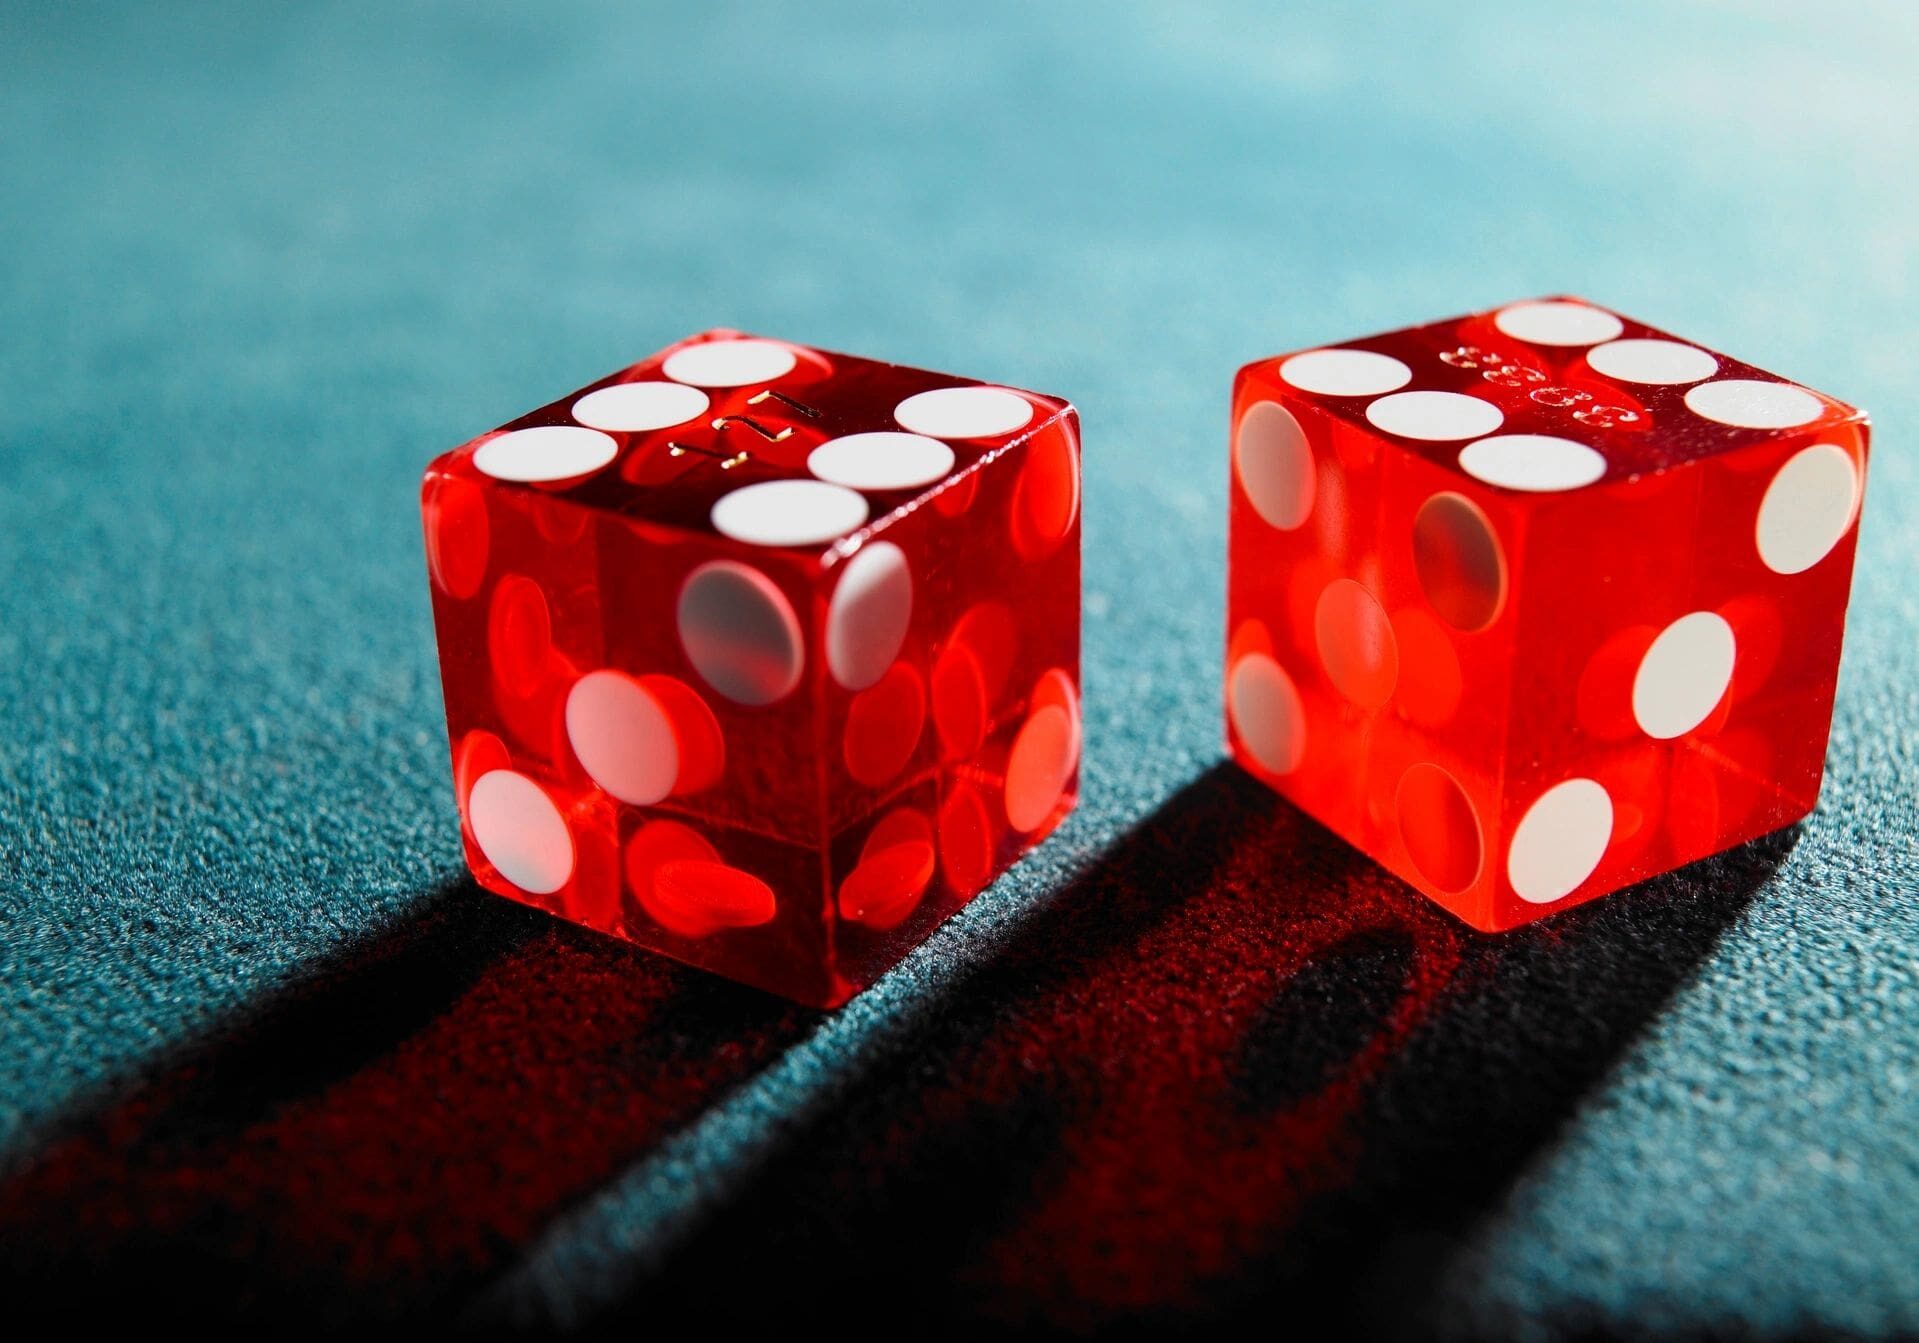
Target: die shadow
[[1234, 1072], [1232, 1064], [378, 1139]]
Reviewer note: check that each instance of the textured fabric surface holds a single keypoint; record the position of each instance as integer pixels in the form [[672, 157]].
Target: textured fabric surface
[[266, 1052]]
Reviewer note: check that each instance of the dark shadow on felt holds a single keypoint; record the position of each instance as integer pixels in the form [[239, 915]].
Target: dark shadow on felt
[[1235, 1071], [1232, 1067], [380, 1138]]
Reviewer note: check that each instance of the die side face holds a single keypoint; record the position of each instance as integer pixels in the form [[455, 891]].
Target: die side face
[[1539, 602], [773, 698]]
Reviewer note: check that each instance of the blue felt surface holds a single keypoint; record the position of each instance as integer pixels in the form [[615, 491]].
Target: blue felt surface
[[258, 266]]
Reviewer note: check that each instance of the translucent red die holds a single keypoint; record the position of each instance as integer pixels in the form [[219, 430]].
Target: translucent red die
[[1536, 603], [761, 656]]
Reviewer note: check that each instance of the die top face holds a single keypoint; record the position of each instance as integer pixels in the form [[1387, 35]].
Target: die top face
[[1551, 394], [759, 442]]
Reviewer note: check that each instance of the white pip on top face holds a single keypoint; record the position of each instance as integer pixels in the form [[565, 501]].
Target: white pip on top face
[[759, 654], [1538, 602]]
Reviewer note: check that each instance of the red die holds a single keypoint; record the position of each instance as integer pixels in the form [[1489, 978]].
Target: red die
[[761, 656], [1537, 603]]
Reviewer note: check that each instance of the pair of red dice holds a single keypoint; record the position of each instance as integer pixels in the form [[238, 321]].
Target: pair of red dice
[[768, 658]]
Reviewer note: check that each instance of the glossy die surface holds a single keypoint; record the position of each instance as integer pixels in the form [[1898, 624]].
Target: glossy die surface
[[1537, 603], [761, 656]]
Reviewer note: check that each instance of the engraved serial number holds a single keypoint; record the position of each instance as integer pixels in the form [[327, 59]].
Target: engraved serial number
[[1502, 371]]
